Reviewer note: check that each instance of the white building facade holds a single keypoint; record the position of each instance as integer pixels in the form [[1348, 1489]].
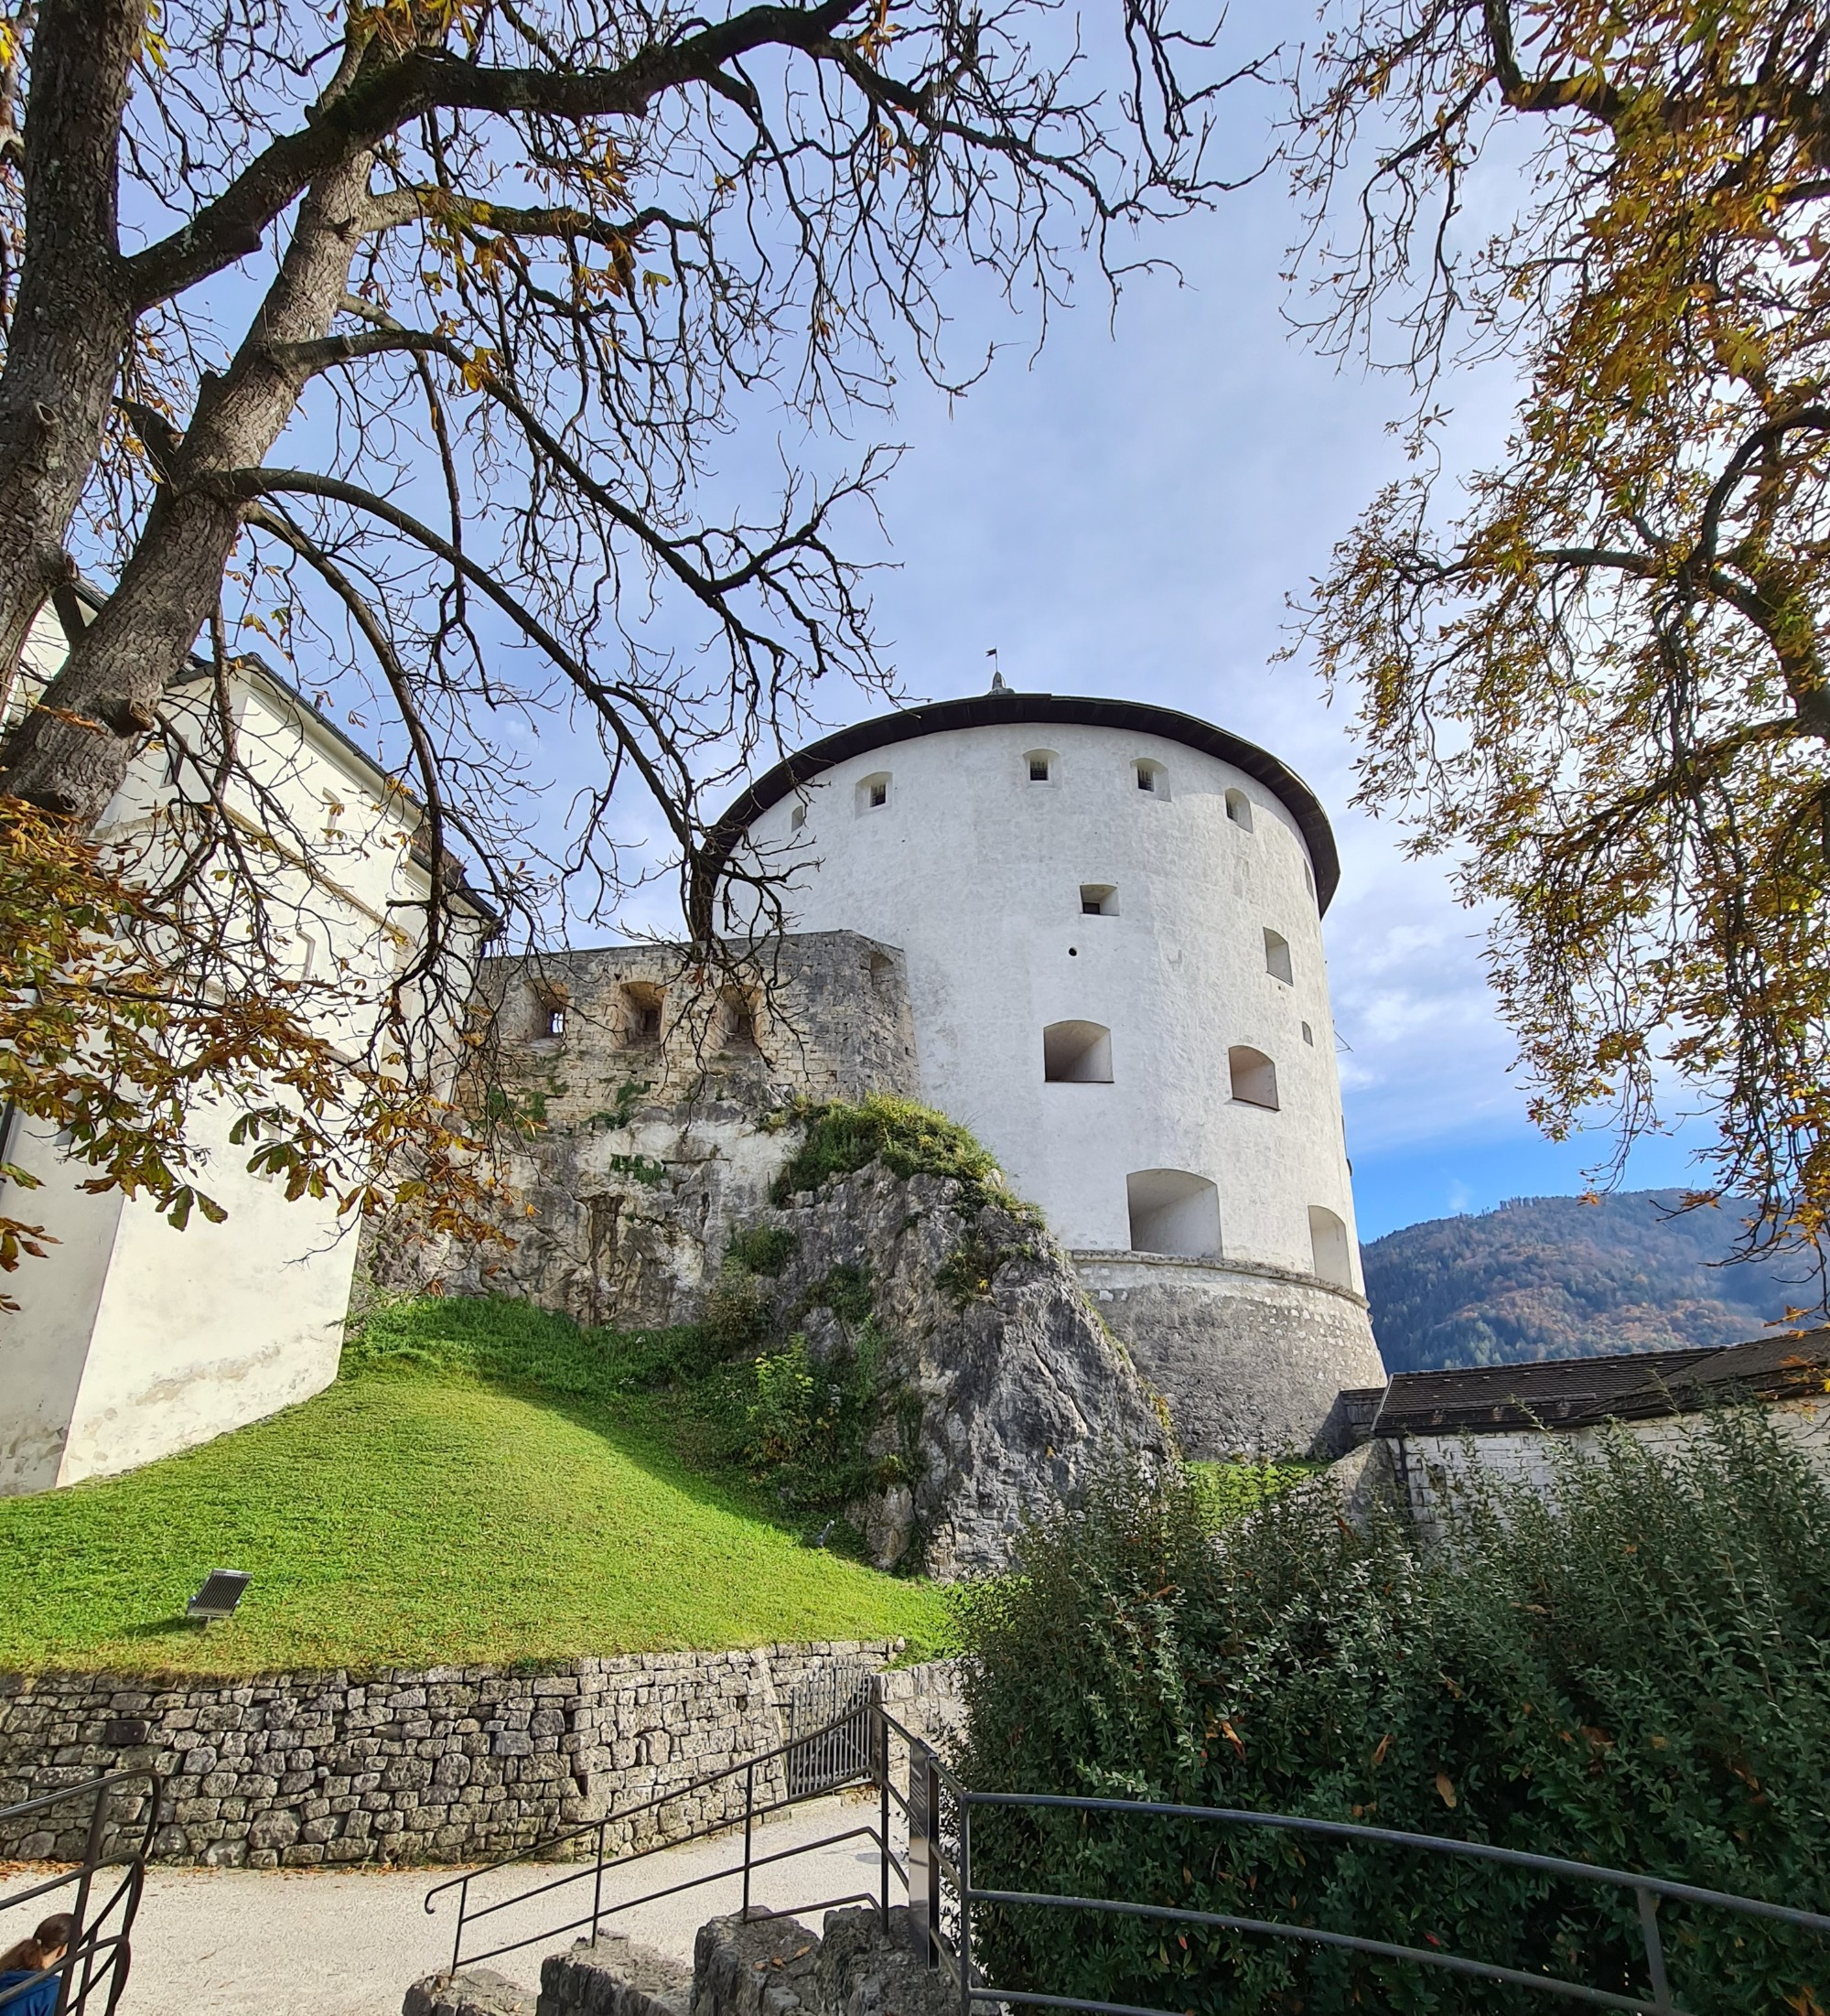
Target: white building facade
[[1112, 919], [132, 1339]]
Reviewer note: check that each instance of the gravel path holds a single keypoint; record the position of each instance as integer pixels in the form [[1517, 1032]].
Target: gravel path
[[347, 1943]]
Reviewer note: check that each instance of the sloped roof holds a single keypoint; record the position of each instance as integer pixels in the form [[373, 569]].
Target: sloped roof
[[1570, 1393]]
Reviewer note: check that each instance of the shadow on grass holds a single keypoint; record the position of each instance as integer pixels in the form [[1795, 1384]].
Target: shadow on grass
[[660, 1431]]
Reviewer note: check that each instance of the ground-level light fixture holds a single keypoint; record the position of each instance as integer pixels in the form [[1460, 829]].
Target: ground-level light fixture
[[216, 1599]]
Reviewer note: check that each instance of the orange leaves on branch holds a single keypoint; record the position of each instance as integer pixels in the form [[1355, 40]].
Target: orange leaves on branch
[[1596, 673], [109, 1040]]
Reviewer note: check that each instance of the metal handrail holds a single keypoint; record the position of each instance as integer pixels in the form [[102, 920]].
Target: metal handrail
[[1447, 1844], [955, 1955], [876, 1772], [937, 1874], [94, 1956]]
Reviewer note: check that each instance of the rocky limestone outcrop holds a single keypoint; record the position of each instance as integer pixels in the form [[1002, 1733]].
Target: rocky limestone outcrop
[[1001, 1383]]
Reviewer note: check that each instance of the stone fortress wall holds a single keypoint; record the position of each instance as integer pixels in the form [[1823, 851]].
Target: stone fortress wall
[[446, 1765], [1088, 931], [1111, 917], [641, 1084]]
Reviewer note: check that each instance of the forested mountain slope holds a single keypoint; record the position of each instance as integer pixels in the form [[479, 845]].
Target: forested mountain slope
[[1556, 1278]]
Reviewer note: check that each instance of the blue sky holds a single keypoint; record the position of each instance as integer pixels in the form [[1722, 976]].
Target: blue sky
[[1125, 512], [1124, 515]]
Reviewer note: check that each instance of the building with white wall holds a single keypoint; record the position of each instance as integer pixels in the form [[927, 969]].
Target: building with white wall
[[133, 1339], [1110, 915]]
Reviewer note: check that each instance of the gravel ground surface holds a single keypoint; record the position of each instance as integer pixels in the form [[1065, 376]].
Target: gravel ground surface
[[348, 1943]]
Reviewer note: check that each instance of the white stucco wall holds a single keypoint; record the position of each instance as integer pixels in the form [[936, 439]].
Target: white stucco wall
[[977, 873], [1431, 1468], [133, 1339]]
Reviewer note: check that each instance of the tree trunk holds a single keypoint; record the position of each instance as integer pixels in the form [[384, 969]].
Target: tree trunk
[[72, 321], [137, 645]]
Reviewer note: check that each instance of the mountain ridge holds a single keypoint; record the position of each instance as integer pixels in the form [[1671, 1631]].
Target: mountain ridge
[[1568, 1278]]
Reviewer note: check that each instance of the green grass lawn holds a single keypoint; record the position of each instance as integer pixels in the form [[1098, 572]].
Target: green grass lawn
[[418, 1516]]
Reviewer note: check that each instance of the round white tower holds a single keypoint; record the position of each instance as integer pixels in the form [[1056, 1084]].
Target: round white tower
[[1110, 915]]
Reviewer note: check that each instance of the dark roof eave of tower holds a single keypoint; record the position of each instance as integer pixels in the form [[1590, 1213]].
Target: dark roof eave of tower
[[986, 709]]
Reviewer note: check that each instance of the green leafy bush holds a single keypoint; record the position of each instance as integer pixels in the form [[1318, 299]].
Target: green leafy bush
[[763, 1249], [846, 1291], [738, 1315], [1634, 1670], [906, 1138], [801, 1424]]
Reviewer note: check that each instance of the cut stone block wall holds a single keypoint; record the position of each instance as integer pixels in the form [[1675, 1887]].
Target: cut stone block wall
[[1251, 1358], [453, 1764]]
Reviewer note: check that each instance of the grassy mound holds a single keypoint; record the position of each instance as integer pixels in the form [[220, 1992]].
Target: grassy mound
[[485, 1485]]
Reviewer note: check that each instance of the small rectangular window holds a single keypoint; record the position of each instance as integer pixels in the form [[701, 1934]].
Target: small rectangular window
[[1098, 899], [1038, 770]]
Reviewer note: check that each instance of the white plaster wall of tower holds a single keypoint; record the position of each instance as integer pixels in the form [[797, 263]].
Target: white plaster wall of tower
[[1116, 970]]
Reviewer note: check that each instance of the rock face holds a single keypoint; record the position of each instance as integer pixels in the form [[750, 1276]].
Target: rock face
[[1001, 1384], [996, 1381], [613, 1976], [763, 1966]]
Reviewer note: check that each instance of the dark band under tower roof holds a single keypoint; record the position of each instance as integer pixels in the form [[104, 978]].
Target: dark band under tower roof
[[996, 709]]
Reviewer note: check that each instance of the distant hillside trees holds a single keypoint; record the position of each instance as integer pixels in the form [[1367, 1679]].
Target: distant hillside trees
[[1559, 1277], [1595, 672]]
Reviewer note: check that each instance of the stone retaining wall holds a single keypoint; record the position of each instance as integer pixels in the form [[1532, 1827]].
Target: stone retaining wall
[[453, 1764]]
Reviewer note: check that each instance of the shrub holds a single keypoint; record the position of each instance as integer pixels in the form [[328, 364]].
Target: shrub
[[906, 1138], [763, 1249], [737, 1315], [1634, 1670], [802, 1424], [846, 1291]]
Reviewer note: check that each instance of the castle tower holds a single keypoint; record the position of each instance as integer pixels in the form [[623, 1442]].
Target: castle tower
[[1110, 915]]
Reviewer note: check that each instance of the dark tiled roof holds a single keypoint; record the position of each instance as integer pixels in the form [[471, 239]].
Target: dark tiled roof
[[1579, 1392]]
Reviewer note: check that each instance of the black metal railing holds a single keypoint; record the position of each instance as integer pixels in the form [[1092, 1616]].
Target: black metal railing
[[93, 1971], [943, 1894], [860, 1750], [850, 1753]]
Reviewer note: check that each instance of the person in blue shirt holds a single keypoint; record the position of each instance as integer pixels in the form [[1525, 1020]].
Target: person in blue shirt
[[31, 1957]]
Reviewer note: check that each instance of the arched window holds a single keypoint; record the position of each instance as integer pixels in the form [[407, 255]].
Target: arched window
[[1309, 1036], [1278, 957], [1077, 1053], [1151, 777], [1328, 1240], [1308, 879], [1239, 809], [1098, 899], [1042, 766], [1173, 1211], [797, 818], [1255, 1076], [873, 792], [641, 1015]]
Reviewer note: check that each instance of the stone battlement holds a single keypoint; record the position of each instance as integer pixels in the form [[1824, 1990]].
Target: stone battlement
[[576, 1039]]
